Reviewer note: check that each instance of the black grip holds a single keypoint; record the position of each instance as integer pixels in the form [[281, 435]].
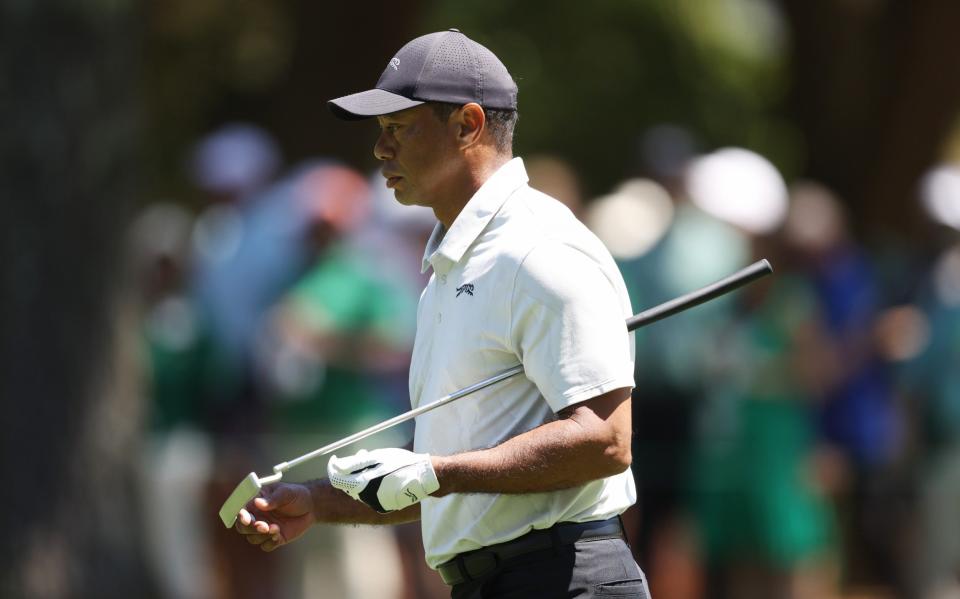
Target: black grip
[[758, 269]]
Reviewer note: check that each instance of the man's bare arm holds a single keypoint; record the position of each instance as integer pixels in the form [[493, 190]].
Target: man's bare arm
[[591, 440]]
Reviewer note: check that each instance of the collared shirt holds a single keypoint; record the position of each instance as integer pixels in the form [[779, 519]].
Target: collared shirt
[[516, 279]]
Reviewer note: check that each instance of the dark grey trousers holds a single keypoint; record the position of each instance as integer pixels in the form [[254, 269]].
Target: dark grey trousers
[[590, 568]]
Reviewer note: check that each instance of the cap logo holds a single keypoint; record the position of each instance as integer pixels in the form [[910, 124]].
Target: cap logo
[[395, 63]]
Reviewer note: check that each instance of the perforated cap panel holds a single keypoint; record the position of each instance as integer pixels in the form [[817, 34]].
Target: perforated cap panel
[[445, 66], [453, 54], [452, 72]]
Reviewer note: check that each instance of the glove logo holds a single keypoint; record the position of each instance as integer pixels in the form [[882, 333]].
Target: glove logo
[[413, 496]]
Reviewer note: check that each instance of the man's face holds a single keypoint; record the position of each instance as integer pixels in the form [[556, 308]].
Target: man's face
[[419, 154]]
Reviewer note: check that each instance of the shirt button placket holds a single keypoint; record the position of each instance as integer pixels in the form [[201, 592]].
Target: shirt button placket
[[443, 281]]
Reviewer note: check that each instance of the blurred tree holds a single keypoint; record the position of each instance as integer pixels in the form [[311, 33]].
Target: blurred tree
[[856, 93], [70, 412], [593, 79], [273, 63], [875, 92]]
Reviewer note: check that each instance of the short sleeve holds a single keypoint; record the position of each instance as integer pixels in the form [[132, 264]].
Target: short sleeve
[[567, 324]]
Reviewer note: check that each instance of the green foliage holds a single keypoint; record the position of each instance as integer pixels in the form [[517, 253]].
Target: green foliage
[[593, 77], [200, 54]]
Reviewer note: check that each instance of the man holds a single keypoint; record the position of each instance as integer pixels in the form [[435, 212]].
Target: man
[[519, 488]]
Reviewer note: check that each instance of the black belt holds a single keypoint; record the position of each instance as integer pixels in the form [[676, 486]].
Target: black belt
[[476, 564]]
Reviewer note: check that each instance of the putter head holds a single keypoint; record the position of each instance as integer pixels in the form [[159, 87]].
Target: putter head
[[241, 496]]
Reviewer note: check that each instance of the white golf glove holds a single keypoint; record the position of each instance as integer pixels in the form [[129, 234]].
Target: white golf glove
[[385, 479]]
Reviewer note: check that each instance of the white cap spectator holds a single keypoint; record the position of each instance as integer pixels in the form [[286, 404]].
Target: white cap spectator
[[234, 160], [739, 187], [632, 219], [940, 193]]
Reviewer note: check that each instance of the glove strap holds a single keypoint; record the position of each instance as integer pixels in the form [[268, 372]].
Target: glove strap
[[369, 495]]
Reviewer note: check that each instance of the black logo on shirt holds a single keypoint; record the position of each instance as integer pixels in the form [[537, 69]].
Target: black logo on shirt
[[467, 288]]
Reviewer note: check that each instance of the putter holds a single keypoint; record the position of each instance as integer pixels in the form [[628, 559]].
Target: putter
[[250, 486]]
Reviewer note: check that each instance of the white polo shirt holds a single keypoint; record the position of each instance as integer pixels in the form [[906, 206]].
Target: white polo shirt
[[516, 279]]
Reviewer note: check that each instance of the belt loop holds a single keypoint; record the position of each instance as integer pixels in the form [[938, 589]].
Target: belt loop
[[623, 530], [463, 569], [555, 539]]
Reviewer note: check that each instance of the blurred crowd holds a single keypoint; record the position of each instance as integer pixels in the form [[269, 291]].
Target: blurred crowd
[[800, 438]]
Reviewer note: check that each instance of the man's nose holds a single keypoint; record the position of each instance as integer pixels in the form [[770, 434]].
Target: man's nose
[[382, 150]]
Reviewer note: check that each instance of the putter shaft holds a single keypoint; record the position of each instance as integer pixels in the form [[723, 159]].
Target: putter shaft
[[734, 281], [249, 486]]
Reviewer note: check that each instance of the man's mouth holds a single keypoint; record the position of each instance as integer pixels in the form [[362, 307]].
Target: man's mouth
[[392, 181]]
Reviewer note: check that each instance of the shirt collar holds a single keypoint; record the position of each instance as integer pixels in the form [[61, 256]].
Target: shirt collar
[[446, 247]]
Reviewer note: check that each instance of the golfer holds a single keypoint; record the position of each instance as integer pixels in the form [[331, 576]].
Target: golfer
[[519, 489]]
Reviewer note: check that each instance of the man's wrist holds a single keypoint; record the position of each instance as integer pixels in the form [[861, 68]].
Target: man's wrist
[[317, 488], [441, 467]]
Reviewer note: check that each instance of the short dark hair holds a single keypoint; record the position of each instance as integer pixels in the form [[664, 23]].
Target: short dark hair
[[500, 123]]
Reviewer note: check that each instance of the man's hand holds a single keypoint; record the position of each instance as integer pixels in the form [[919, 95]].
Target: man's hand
[[385, 479], [281, 514]]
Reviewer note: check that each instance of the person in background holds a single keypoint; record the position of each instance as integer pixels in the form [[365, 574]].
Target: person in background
[[330, 352], [665, 247], [926, 336], [765, 521], [764, 518], [341, 324], [859, 418], [233, 282], [178, 451]]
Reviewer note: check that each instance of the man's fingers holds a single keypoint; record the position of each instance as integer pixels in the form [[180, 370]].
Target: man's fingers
[[272, 543], [258, 539], [256, 522], [267, 542], [248, 524], [246, 518], [360, 460], [272, 498]]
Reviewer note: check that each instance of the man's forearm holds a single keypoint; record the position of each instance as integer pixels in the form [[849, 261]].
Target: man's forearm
[[332, 506], [565, 453]]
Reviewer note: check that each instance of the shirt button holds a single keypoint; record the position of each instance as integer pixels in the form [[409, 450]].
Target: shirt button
[[443, 278], [439, 317]]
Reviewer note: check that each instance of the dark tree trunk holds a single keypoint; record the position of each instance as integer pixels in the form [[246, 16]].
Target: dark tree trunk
[[68, 124], [876, 90]]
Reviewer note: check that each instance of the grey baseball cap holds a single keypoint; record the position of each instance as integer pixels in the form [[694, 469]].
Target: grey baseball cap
[[446, 66]]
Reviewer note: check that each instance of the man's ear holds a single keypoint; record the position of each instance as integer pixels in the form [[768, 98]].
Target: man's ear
[[471, 121]]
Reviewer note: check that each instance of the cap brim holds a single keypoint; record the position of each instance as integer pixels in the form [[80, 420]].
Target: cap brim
[[373, 102]]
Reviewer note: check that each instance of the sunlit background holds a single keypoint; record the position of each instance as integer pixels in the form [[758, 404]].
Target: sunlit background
[[203, 275]]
